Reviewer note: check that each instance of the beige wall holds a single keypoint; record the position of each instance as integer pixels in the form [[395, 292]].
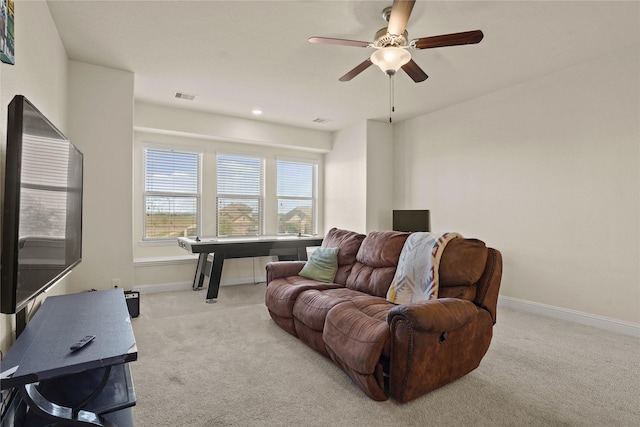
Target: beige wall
[[39, 74], [155, 118], [548, 172]]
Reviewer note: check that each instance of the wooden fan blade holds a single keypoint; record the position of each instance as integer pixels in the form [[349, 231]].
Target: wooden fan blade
[[344, 42], [414, 71], [400, 12], [357, 70], [455, 39]]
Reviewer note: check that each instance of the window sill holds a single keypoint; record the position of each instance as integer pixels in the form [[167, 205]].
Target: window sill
[[167, 242]]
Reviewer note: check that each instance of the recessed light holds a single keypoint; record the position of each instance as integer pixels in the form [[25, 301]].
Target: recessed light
[[256, 112]]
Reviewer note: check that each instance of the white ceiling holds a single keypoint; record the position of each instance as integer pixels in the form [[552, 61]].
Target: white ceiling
[[240, 55]]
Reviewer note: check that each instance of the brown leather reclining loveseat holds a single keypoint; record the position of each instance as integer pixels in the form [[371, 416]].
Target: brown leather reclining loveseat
[[403, 351]]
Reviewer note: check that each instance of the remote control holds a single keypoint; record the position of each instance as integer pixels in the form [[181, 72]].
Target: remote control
[[84, 341]]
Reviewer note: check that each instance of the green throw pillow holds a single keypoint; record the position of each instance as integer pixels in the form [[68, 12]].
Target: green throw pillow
[[322, 265]]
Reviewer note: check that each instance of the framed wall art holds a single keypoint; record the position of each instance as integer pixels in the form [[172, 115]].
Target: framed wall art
[[7, 41]]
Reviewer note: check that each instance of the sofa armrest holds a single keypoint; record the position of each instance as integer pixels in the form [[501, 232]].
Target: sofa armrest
[[437, 315], [278, 269], [433, 343]]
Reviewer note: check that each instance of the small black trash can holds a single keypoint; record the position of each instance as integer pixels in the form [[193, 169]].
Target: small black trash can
[[133, 302]]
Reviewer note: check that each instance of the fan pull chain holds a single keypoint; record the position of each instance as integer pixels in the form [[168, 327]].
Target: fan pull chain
[[392, 107]]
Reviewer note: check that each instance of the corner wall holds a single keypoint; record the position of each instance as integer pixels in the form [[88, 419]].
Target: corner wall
[[379, 176], [101, 126], [345, 185], [359, 177], [548, 172]]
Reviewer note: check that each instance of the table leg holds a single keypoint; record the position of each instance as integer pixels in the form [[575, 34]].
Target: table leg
[[302, 253], [214, 276], [198, 279]]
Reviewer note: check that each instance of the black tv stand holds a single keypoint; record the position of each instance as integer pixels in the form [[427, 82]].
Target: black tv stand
[[88, 387]]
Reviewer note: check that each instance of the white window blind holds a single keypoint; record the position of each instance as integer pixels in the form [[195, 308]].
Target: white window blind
[[172, 193], [297, 207], [239, 197]]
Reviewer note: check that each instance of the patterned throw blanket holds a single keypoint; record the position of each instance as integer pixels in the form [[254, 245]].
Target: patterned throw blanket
[[416, 277]]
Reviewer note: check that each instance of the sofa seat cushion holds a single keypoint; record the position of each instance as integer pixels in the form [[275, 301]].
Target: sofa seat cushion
[[356, 336], [357, 332], [281, 294], [311, 306]]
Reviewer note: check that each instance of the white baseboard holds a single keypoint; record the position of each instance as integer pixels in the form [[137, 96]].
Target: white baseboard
[[163, 287], [183, 286], [601, 322]]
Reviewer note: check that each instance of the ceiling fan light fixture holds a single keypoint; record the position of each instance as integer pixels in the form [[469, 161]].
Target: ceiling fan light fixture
[[389, 59]]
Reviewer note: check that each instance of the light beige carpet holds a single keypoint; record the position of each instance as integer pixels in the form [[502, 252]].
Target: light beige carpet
[[228, 364]]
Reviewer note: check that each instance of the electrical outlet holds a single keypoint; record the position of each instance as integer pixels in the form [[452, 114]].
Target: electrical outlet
[[116, 283]]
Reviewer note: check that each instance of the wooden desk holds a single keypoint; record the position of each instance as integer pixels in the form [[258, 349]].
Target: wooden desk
[[41, 355], [239, 247]]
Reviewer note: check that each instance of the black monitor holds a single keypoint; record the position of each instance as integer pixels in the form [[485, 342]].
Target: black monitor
[[411, 220]]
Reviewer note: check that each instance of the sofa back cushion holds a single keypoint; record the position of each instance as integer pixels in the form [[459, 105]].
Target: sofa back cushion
[[376, 262], [461, 267], [462, 262], [348, 243]]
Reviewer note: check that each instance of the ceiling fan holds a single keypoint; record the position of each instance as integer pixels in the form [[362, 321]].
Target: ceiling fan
[[391, 44]]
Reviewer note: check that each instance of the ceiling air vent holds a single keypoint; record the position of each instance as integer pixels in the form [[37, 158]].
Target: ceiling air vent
[[185, 96]]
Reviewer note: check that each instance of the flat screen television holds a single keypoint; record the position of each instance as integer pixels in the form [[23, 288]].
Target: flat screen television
[[42, 214], [411, 220]]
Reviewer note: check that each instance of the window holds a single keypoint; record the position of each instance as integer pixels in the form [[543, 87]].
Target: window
[[297, 197], [172, 193], [239, 197]]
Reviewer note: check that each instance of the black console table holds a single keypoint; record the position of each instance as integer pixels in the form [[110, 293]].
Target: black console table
[[240, 247], [88, 387]]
